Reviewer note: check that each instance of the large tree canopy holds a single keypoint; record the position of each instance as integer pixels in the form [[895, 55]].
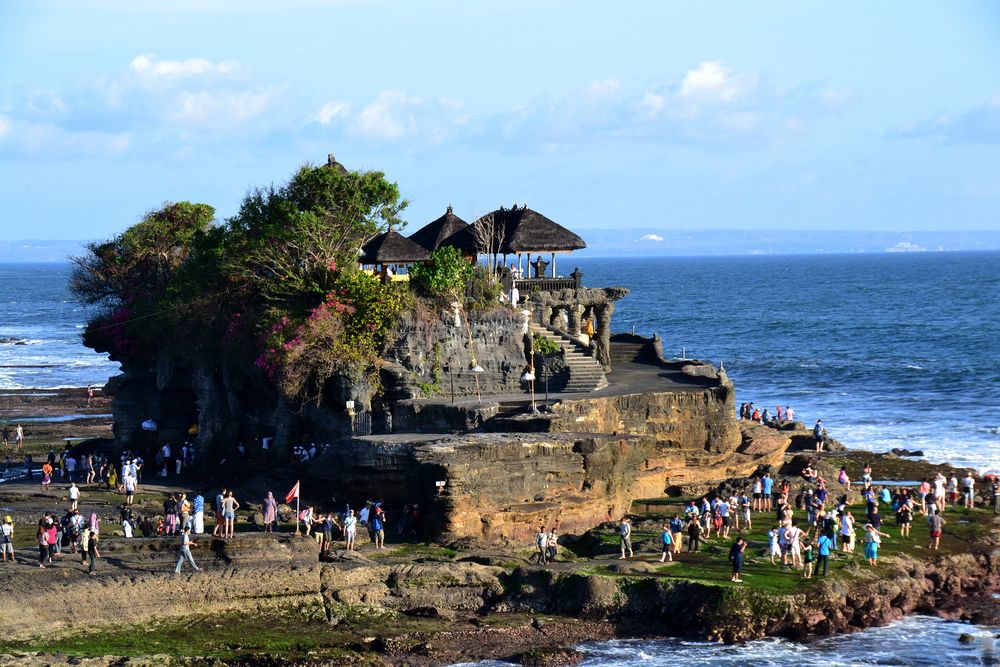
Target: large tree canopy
[[276, 285]]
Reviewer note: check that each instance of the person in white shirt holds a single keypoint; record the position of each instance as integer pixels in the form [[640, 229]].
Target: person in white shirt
[[969, 489], [74, 495]]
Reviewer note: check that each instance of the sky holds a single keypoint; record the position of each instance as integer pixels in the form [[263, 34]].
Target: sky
[[798, 115]]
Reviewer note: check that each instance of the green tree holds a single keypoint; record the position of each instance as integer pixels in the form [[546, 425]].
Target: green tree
[[446, 274]]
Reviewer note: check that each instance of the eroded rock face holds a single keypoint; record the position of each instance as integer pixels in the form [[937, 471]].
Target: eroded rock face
[[583, 465]]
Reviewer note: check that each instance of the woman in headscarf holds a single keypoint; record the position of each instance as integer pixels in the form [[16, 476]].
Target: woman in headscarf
[[270, 512]]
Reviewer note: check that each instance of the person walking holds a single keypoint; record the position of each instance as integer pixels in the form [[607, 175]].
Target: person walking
[[694, 535], [625, 537], [935, 525], [667, 539], [93, 553], [199, 513], [184, 553]]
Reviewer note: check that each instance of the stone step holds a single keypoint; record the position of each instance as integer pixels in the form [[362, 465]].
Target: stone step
[[585, 374]]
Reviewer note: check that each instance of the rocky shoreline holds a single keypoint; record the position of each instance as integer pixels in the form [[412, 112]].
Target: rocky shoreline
[[426, 604]]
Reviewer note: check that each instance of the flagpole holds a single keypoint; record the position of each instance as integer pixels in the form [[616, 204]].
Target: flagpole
[[297, 496]]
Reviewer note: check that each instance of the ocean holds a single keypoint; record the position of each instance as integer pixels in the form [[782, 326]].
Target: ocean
[[917, 641], [39, 311], [890, 350]]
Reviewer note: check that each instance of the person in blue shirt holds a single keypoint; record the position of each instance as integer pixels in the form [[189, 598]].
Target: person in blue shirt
[[823, 546], [677, 530], [667, 540], [767, 484]]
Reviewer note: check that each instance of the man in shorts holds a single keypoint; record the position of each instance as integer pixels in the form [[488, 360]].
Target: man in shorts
[[936, 524]]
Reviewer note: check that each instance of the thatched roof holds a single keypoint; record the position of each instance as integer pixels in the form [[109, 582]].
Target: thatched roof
[[518, 230], [392, 247], [433, 233]]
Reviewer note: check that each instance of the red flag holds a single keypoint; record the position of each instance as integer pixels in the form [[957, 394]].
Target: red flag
[[293, 494]]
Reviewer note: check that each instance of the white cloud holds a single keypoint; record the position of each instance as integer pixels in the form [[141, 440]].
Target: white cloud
[[332, 111], [713, 82], [388, 116], [206, 107], [150, 67], [651, 237], [980, 125]]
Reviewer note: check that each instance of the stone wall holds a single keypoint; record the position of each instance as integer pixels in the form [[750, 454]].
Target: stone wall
[[434, 352]]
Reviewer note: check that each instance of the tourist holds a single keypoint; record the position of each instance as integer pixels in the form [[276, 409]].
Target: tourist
[[953, 490], [219, 497], [350, 529], [85, 536], [129, 483], [866, 475], [625, 537], [553, 549], [793, 535], [765, 417], [229, 507], [89, 463], [823, 546], [170, 514], [755, 416], [42, 539], [872, 540], [94, 523], [667, 542], [726, 520], [940, 492], [847, 532], [90, 393], [736, 558], [818, 435], [184, 510], [969, 490], [7, 538], [925, 489], [789, 413], [126, 524], [306, 516], [329, 522], [184, 553], [773, 543], [694, 535], [758, 495], [378, 527], [935, 524], [807, 560], [199, 513], [767, 484], [270, 512], [885, 496], [995, 491], [874, 518], [74, 495], [778, 413], [677, 532], [18, 437], [46, 475], [69, 462], [843, 478], [93, 553], [745, 511]]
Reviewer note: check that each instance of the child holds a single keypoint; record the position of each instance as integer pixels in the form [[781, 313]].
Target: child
[[772, 541], [807, 561], [667, 539]]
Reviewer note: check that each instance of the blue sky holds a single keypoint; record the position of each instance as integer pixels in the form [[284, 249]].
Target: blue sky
[[724, 115]]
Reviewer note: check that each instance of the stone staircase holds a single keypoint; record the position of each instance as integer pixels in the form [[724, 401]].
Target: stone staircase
[[585, 374]]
